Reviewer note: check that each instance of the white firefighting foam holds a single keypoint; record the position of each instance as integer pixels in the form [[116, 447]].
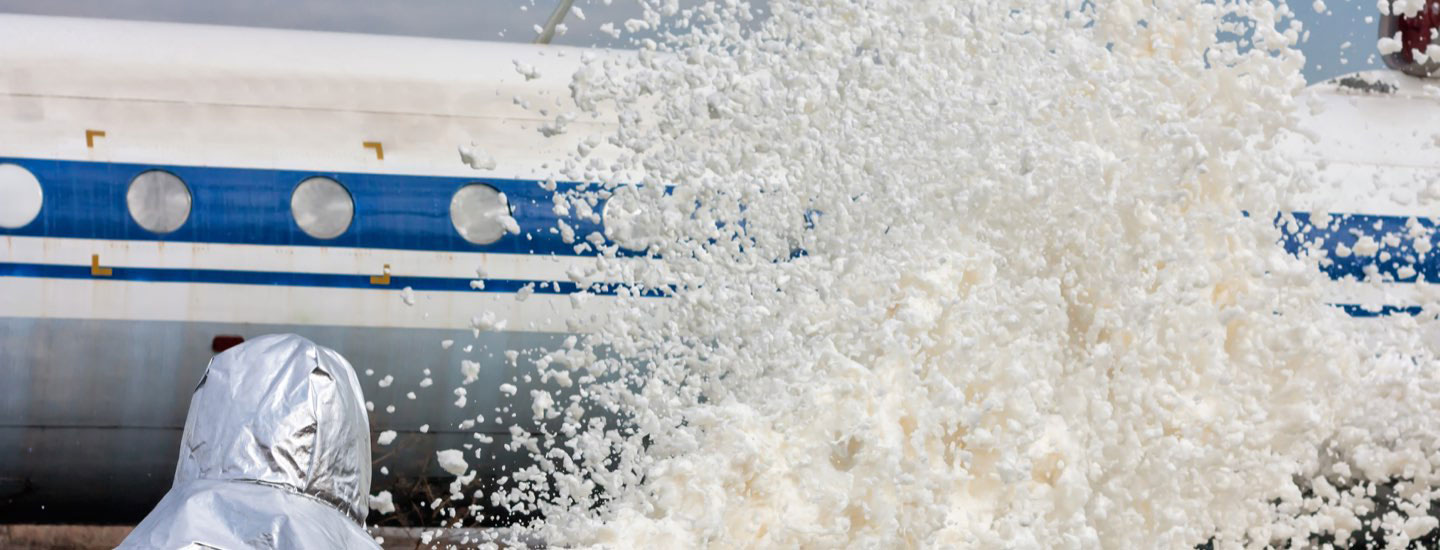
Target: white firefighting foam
[[967, 275]]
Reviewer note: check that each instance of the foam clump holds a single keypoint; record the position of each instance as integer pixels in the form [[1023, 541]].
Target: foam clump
[[383, 503], [983, 275], [386, 437], [452, 460]]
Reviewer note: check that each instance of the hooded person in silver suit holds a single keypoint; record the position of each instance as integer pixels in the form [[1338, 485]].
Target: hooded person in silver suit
[[275, 455]]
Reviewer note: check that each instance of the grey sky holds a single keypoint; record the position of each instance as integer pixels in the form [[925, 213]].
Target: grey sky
[[508, 20], [1343, 22], [513, 20]]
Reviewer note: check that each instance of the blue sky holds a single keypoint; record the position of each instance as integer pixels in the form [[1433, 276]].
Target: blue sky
[[508, 20], [512, 20], [1344, 21]]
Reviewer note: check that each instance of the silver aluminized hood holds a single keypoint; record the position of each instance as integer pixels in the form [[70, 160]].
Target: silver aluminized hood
[[275, 454]]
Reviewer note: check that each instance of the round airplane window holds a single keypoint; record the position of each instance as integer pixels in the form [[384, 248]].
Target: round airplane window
[[158, 201], [20, 196], [623, 219], [479, 213], [322, 207]]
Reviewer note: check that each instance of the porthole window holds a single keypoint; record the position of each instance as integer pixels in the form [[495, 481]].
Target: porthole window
[[479, 213], [322, 208], [20, 196], [158, 201], [622, 219]]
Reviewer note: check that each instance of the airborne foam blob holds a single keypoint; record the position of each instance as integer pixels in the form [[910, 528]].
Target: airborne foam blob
[[960, 275], [452, 461]]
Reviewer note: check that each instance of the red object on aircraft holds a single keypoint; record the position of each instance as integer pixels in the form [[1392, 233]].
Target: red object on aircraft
[[1417, 33], [225, 341]]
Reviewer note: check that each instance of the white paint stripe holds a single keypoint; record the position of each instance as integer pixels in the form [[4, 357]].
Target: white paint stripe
[[285, 259], [227, 303], [1378, 294]]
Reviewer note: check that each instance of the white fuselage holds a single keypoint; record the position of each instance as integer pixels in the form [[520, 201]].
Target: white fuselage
[[105, 327], [1371, 141]]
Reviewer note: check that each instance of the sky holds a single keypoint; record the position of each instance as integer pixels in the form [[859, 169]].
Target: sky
[[1326, 55], [513, 20], [507, 20]]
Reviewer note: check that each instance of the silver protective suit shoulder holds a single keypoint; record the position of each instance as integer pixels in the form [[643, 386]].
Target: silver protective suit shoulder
[[275, 455]]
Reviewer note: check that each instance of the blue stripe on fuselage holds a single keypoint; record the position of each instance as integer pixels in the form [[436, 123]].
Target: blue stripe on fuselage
[[1357, 310], [325, 280], [1346, 229], [86, 200]]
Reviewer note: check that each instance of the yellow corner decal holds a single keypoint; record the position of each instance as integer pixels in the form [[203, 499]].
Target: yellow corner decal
[[379, 149], [382, 279], [95, 268]]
